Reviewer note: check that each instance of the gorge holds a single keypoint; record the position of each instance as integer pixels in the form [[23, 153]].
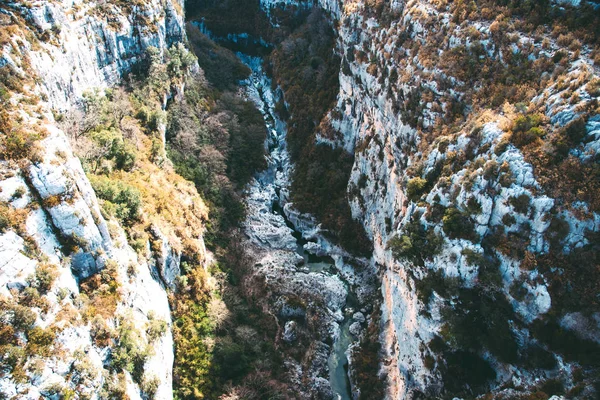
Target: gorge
[[312, 199]]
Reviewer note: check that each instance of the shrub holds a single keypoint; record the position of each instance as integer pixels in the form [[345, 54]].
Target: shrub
[[130, 352], [457, 225], [557, 231], [40, 341], [155, 329], [473, 206], [416, 243], [480, 320], [122, 201], [45, 275], [521, 203], [415, 188], [19, 192], [23, 319], [567, 343], [20, 143], [150, 386], [103, 291], [575, 131], [508, 219], [436, 281], [526, 129], [465, 372]]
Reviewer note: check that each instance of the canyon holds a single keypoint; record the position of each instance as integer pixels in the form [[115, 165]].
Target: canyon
[[333, 199]]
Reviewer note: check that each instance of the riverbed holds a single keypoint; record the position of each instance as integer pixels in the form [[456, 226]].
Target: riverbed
[[268, 226]]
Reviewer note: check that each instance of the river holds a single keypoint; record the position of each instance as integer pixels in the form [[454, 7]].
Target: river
[[273, 184]]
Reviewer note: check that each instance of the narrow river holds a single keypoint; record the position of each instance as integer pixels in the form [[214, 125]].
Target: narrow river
[[273, 184]]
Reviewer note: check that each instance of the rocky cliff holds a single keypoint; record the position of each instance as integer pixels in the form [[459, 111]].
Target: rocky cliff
[[462, 119], [83, 313]]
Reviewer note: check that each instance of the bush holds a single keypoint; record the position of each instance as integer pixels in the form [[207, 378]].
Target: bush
[[526, 129], [567, 343], [473, 206], [508, 220], [150, 386], [130, 352], [521, 203], [480, 321], [557, 231], [436, 281], [155, 329], [457, 225], [466, 373], [416, 243], [415, 188], [119, 200], [45, 275]]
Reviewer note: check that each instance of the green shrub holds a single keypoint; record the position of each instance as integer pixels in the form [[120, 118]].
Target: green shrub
[[130, 352], [465, 373], [45, 275], [567, 343], [508, 220], [121, 201], [473, 206], [415, 188], [23, 319], [436, 281], [150, 386], [40, 341], [557, 231], [521, 203], [416, 243], [526, 129], [156, 329], [457, 225], [480, 321]]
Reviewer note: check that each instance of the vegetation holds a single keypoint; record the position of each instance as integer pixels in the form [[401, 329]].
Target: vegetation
[[216, 140], [416, 243], [102, 290], [118, 199], [415, 188], [307, 71], [366, 360], [458, 225], [130, 351]]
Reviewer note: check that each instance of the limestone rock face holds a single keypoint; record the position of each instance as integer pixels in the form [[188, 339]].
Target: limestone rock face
[[386, 128], [99, 42], [56, 220]]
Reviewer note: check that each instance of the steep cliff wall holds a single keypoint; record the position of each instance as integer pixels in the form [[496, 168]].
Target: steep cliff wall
[[462, 120], [83, 313]]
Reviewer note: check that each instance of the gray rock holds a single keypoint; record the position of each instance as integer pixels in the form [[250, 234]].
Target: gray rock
[[83, 265], [355, 329], [319, 353], [359, 317], [323, 389], [168, 261], [289, 333]]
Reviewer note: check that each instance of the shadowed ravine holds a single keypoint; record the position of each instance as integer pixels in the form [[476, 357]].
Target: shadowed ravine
[[276, 177]]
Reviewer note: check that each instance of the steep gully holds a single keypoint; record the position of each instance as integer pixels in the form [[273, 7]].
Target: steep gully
[[273, 183], [261, 94]]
